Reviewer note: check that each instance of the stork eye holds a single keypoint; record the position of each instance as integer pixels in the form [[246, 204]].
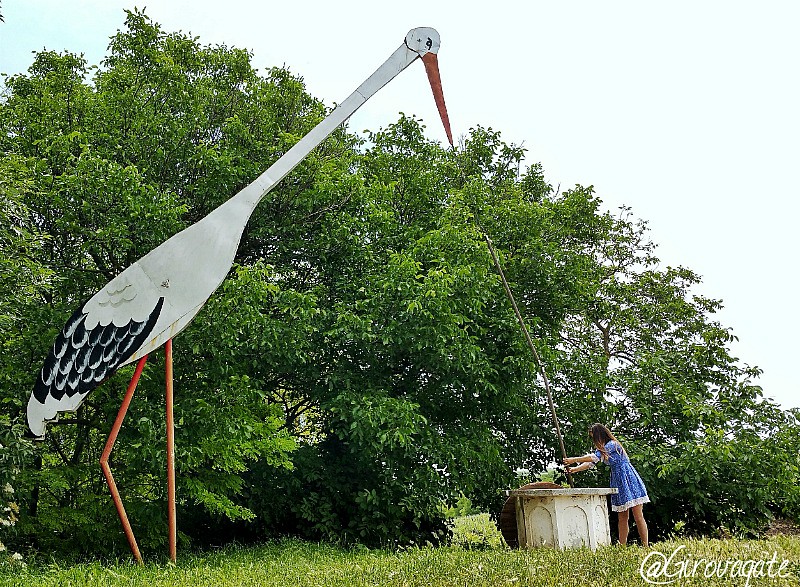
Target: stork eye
[[429, 44]]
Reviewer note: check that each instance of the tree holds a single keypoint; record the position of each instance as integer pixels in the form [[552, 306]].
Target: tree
[[165, 130], [425, 389], [644, 354], [21, 278]]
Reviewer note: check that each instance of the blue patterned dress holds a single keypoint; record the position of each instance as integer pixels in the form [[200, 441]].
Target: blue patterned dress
[[630, 488]]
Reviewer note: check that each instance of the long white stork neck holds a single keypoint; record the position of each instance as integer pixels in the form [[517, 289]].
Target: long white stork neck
[[186, 269], [399, 60]]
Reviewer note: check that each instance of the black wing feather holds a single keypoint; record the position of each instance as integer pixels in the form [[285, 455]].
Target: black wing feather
[[80, 359]]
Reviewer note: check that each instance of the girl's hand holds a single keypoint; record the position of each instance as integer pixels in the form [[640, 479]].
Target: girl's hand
[[570, 460]]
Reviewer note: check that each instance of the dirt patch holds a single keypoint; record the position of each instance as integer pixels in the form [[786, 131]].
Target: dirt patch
[[783, 526]]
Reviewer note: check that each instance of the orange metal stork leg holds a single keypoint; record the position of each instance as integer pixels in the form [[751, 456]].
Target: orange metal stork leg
[[171, 517], [112, 486]]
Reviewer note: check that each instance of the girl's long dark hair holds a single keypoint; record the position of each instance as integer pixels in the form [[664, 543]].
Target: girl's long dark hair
[[600, 435]]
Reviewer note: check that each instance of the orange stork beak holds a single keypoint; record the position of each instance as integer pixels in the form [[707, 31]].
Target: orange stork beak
[[432, 68]]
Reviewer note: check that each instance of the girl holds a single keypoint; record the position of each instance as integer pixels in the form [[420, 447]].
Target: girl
[[631, 494]]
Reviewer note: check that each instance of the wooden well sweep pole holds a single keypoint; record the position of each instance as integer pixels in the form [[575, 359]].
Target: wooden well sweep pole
[[534, 352]]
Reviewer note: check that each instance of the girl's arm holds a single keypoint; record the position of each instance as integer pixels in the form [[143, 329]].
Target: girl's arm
[[582, 467], [584, 459]]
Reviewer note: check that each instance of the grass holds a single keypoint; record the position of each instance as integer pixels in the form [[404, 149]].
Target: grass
[[477, 558]]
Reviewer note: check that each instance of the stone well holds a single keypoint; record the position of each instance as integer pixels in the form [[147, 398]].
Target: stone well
[[560, 517]]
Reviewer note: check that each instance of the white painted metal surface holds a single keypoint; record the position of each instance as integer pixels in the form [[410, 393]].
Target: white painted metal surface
[[161, 293], [563, 518]]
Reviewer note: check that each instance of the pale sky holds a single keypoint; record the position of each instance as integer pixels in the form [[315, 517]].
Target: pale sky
[[687, 111]]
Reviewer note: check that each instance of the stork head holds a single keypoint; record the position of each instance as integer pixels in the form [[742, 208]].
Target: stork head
[[425, 41]]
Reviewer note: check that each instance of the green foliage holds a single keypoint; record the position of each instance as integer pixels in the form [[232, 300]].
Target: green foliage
[[419, 381], [22, 279], [105, 169], [476, 531], [644, 355], [463, 507], [730, 479]]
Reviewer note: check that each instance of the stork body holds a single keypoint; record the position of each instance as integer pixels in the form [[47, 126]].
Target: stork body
[[159, 295], [138, 311]]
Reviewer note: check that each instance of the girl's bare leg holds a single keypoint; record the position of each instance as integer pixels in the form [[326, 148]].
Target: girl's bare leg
[[641, 525], [622, 518]]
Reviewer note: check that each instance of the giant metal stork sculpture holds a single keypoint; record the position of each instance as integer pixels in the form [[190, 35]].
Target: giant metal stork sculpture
[[154, 299]]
